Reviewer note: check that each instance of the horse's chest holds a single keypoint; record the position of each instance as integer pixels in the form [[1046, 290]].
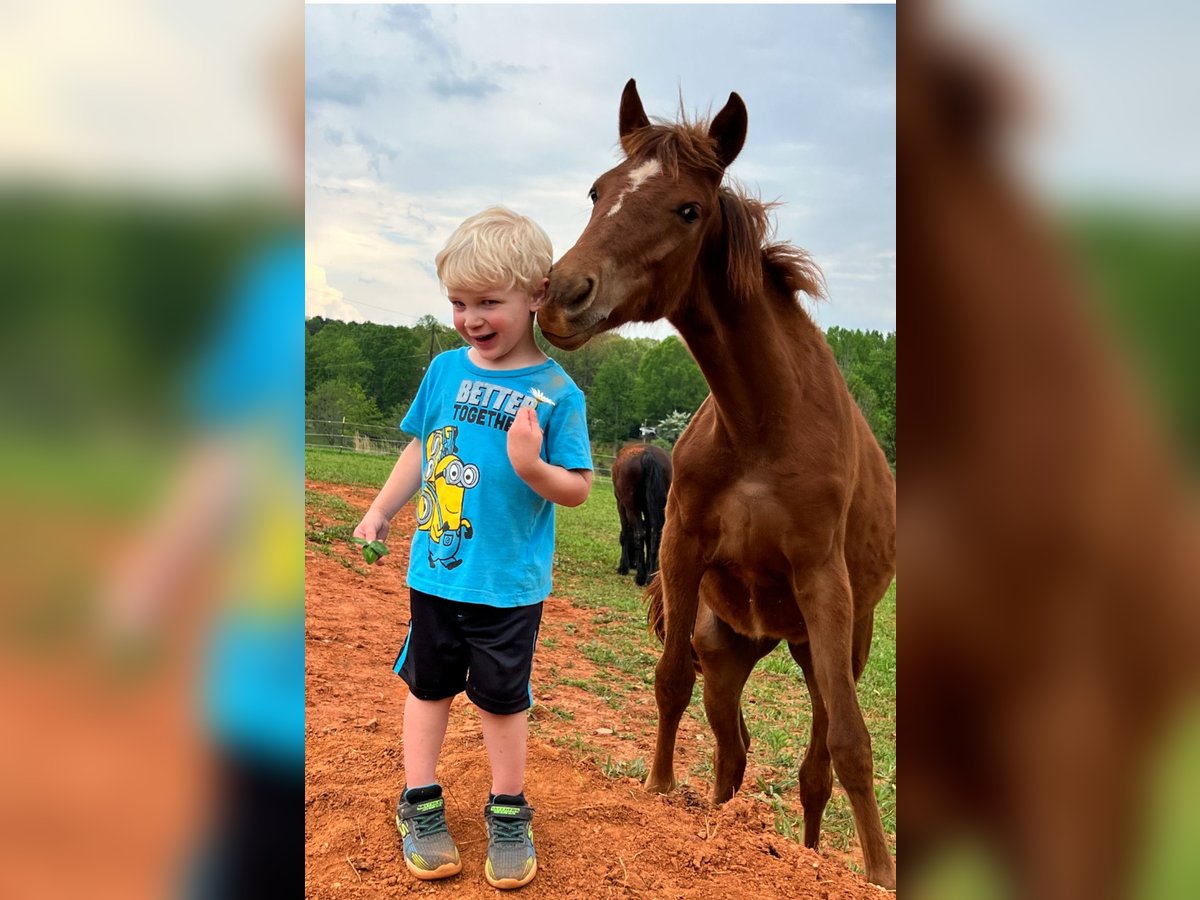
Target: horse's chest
[[747, 538], [747, 526]]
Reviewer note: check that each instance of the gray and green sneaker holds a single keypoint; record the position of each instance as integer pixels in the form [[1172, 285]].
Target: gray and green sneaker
[[429, 851], [511, 860]]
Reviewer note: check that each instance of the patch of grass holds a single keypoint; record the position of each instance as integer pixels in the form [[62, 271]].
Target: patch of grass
[[600, 653], [335, 507], [621, 654], [702, 769], [780, 662], [573, 742], [332, 539], [557, 711], [605, 690], [779, 742], [331, 533], [343, 467], [629, 768]]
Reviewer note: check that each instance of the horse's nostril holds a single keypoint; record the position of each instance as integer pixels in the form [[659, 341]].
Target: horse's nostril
[[584, 294]]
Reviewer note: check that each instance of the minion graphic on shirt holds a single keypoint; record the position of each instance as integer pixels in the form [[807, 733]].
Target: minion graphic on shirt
[[445, 482]]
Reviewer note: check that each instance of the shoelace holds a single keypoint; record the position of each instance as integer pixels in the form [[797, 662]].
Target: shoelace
[[427, 824], [508, 831]]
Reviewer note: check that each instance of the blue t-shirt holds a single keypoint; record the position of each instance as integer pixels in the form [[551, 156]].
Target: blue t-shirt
[[247, 388], [483, 535]]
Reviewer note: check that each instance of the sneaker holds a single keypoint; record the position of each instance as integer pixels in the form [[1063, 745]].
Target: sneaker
[[429, 851], [511, 860]]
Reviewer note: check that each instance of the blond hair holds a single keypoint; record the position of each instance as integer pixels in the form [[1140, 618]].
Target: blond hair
[[496, 250]]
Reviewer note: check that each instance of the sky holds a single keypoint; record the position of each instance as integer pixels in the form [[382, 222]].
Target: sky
[[420, 116], [170, 99]]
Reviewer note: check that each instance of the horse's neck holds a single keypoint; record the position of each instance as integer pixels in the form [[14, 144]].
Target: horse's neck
[[759, 355]]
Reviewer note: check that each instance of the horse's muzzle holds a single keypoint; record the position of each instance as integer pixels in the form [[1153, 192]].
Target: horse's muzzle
[[567, 318]]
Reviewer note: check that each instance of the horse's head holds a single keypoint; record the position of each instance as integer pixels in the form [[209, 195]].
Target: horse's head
[[651, 216]]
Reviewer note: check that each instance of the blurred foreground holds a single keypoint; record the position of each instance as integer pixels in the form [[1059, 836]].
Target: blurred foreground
[[148, 177], [1049, 615]]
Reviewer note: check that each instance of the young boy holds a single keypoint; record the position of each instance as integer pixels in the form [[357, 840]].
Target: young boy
[[501, 438]]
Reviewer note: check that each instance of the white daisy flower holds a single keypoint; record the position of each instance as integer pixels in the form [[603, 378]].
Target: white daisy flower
[[540, 397]]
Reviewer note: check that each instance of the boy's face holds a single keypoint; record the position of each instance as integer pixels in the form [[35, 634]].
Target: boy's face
[[498, 325]]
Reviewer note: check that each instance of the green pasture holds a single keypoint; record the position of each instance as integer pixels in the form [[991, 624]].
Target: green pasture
[[346, 467], [775, 702]]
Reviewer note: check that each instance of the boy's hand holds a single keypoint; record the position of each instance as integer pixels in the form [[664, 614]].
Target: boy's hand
[[373, 527], [524, 440]]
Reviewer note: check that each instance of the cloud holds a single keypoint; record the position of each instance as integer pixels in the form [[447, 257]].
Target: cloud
[[363, 227], [322, 299], [416, 23], [409, 18], [449, 86], [377, 151], [338, 87]]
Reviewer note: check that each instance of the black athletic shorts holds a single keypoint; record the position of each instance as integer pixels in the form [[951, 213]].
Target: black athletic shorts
[[484, 650]]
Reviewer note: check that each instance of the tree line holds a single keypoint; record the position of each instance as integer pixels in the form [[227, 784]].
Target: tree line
[[366, 375]]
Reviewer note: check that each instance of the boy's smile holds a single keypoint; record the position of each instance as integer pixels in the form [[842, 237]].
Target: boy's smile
[[498, 326]]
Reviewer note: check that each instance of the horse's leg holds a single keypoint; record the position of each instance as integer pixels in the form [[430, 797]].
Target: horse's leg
[[638, 542], [816, 772], [675, 674], [726, 658], [828, 613], [623, 565]]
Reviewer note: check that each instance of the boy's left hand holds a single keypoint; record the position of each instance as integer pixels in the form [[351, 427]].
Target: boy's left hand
[[524, 440]]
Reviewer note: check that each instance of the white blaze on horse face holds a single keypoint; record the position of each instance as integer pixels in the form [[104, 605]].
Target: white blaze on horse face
[[637, 178]]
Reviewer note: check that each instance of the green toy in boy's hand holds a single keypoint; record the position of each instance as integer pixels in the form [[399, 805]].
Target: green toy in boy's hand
[[372, 550]]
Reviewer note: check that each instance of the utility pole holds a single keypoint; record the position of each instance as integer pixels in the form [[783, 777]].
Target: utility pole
[[432, 326]]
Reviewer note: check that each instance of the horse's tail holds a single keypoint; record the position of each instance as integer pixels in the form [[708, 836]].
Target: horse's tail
[[654, 486], [655, 619]]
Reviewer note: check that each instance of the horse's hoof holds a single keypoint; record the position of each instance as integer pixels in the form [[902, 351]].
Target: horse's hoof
[[659, 786], [885, 880]]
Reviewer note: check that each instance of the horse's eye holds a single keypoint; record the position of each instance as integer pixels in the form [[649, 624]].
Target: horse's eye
[[689, 213], [593, 195]]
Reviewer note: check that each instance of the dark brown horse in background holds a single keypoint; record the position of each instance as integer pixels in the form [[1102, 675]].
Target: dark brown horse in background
[[781, 518], [641, 476]]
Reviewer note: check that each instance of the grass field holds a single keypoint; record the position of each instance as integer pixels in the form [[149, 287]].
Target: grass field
[[776, 702]]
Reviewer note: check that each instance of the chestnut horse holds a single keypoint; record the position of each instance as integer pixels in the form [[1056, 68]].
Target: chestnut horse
[[641, 476], [781, 518]]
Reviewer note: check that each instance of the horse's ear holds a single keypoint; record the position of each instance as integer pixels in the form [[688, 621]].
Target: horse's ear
[[633, 115], [728, 129]]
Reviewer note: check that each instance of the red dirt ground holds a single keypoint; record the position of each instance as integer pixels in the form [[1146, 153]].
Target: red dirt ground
[[596, 837]]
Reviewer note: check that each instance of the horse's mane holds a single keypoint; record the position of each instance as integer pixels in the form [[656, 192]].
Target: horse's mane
[[748, 226]]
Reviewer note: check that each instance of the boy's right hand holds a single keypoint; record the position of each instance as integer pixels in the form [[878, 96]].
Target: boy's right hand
[[373, 527]]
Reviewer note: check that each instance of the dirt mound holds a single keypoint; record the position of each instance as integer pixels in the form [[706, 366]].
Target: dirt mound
[[596, 835]]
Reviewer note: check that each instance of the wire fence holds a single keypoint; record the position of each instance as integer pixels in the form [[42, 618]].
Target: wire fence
[[378, 440], [386, 440]]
